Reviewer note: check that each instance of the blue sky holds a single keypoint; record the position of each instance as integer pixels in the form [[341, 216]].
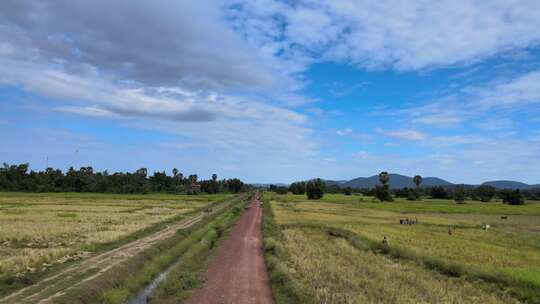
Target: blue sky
[[274, 91]]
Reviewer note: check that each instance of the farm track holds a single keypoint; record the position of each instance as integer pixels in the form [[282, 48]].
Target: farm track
[[49, 288], [237, 274]]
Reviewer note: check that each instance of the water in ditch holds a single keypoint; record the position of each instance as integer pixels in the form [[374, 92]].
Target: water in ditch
[[142, 296]]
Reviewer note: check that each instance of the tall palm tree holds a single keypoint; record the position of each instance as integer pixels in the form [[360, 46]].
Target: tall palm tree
[[384, 178], [417, 180]]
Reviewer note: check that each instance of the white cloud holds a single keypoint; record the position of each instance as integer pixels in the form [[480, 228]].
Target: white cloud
[[88, 111], [496, 124], [487, 105], [522, 90], [405, 35], [407, 134], [344, 132]]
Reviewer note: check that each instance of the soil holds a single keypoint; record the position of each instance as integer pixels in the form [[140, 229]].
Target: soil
[[49, 288], [237, 274]]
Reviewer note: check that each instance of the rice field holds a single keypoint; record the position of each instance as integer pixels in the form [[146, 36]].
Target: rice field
[[38, 231], [508, 253]]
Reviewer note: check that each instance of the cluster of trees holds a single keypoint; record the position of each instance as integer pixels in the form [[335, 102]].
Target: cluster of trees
[[460, 193], [314, 189], [18, 178], [483, 193]]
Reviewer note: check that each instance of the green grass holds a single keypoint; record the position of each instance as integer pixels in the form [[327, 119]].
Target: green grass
[[512, 244], [426, 205]]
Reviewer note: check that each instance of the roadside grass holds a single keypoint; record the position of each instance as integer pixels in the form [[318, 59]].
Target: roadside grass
[[43, 233], [512, 244], [186, 274], [120, 283], [286, 286]]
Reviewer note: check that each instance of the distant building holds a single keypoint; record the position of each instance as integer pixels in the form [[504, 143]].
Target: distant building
[[194, 188]]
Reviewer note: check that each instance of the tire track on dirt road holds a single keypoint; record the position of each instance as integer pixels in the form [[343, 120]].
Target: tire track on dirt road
[[45, 290], [237, 274]]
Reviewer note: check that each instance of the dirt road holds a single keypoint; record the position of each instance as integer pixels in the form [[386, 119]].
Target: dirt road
[[237, 273], [46, 290]]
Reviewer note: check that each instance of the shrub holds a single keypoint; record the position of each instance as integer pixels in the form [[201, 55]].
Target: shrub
[[383, 194], [459, 194], [514, 197], [438, 192], [315, 188], [484, 193]]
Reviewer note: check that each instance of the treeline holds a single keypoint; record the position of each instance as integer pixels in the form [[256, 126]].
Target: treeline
[[460, 193], [481, 193], [18, 178], [314, 189]]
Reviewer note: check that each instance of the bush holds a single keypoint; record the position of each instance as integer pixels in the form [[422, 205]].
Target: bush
[[383, 194], [438, 192], [298, 188], [315, 189], [514, 197], [484, 193], [281, 190], [459, 194]]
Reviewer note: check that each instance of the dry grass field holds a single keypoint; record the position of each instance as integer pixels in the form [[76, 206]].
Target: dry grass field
[[38, 231], [424, 264]]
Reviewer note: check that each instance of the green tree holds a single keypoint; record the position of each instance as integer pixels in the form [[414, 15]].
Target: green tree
[[484, 193], [512, 197], [384, 178], [298, 188], [459, 194], [383, 193], [315, 189], [438, 192]]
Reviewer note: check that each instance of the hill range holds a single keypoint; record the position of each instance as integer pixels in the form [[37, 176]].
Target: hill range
[[402, 181]]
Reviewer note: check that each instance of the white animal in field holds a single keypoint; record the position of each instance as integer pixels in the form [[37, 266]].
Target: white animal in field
[[486, 227]]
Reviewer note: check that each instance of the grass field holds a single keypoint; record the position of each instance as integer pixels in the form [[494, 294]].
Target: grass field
[[508, 254], [38, 231]]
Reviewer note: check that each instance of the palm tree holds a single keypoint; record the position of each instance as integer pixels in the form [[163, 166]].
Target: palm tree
[[214, 177], [175, 172], [417, 181], [384, 177]]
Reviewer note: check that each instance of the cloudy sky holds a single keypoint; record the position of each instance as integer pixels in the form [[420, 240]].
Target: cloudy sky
[[274, 91]]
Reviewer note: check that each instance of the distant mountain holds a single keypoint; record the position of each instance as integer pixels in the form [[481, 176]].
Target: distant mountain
[[396, 181], [263, 185], [506, 184], [335, 182], [402, 181]]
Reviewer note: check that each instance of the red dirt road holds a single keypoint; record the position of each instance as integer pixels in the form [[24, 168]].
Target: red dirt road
[[237, 274]]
